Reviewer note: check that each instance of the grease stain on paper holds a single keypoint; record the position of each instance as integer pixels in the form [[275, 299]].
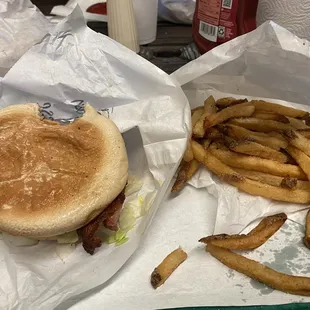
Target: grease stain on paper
[[285, 260], [264, 289], [230, 273]]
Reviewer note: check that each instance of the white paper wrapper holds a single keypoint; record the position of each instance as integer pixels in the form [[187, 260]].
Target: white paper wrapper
[[269, 63], [201, 280], [21, 26], [71, 66]]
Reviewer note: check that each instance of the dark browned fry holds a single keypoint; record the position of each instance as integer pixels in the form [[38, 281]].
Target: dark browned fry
[[186, 171], [163, 271], [289, 182], [254, 239], [213, 134], [229, 101], [181, 177], [307, 233], [259, 272]]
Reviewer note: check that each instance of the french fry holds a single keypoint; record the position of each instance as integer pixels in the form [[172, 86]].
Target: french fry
[[260, 125], [259, 272], [214, 134], [209, 108], [229, 101], [254, 239], [237, 132], [209, 105], [261, 105], [274, 134], [260, 177], [297, 140], [264, 224], [307, 120], [286, 182], [206, 143], [307, 233], [290, 159], [196, 114], [305, 132], [297, 123], [188, 155], [239, 110], [201, 107], [163, 271], [256, 164], [186, 171], [255, 188], [181, 177], [193, 167], [301, 158], [249, 147], [271, 116]]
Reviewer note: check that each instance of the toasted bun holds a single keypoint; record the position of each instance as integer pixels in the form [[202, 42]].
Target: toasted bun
[[56, 178]]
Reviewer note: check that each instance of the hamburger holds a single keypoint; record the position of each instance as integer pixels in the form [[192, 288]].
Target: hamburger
[[60, 179]]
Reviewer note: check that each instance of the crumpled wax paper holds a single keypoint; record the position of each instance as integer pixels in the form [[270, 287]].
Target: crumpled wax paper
[[71, 66], [21, 26], [267, 63], [270, 64]]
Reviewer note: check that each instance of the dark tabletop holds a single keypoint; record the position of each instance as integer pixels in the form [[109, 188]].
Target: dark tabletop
[[164, 52]]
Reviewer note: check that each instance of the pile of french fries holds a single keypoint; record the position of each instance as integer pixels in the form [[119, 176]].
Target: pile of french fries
[[263, 149], [260, 147]]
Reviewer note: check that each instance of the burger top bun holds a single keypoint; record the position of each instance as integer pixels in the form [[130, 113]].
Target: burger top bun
[[56, 178]]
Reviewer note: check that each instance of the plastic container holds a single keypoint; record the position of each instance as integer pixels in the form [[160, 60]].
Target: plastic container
[[146, 18], [122, 23], [145, 14], [218, 21]]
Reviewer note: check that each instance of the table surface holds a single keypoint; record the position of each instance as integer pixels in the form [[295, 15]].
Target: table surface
[[164, 52]]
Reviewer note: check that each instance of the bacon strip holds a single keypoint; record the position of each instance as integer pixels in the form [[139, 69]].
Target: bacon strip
[[109, 217]]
